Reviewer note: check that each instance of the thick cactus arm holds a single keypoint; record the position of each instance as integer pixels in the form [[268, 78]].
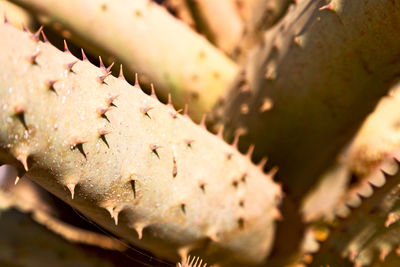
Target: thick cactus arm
[[371, 231], [127, 161], [319, 72], [148, 40]]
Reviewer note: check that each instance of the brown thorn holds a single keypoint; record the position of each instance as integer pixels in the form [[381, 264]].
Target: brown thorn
[[45, 40], [102, 67], [262, 163], [202, 186], [243, 177], [145, 110], [23, 158], [186, 111], [121, 73], [32, 58], [111, 99], [153, 92], [68, 67], [101, 78], [327, 7], [174, 168], [19, 111], [102, 135], [203, 121], [250, 151], [101, 112], [84, 57], [36, 36], [241, 223], [5, 20], [108, 69], [188, 142], [183, 208], [229, 156], [220, 133], [78, 143], [66, 49], [137, 84], [24, 28], [236, 139], [273, 171], [71, 188], [50, 85], [170, 101]]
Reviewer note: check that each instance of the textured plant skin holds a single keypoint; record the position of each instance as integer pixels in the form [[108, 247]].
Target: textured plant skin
[[219, 20], [378, 137], [147, 40], [371, 231], [318, 73], [16, 15], [265, 13], [170, 186]]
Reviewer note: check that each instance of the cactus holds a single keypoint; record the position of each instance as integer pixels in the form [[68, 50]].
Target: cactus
[[353, 45], [219, 20], [377, 138], [168, 54], [370, 228], [159, 194], [149, 175]]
